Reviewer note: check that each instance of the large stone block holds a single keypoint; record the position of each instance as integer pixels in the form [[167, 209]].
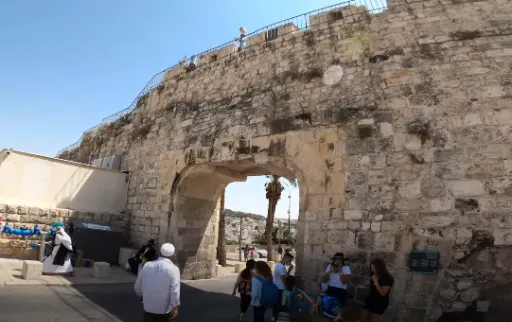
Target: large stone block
[[13, 218], [32, 270], [101, 270], [11, 209], [34, 211], [466, 188], [124, 254], [353, 214], [502, 237]]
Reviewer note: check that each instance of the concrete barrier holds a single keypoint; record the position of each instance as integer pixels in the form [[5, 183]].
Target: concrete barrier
[[124, 254], [238, 267], [32, 270], [101, 270]]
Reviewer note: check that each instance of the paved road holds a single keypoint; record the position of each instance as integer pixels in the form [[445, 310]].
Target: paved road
[[207, 300]]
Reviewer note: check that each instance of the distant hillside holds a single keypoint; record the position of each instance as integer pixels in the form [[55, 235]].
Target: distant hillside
[[254, 225], [238, 214]]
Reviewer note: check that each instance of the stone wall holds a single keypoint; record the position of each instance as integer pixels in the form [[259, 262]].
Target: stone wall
[[39, 181], [397, 125], [12, 246]]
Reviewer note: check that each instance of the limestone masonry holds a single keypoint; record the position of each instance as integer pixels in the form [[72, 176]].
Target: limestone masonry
[[25, 216], [398, 126]]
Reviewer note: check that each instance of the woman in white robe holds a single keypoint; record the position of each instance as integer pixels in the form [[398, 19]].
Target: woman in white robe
[[59, 262]]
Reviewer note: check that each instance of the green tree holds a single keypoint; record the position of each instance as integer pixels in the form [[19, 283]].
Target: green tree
[[288, 239], [273, 189]]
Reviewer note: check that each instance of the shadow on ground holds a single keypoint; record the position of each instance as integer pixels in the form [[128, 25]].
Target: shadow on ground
[[196, 304]]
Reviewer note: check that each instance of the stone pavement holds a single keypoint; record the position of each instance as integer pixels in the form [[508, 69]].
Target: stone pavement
[[10, 274], [201, 300], [205, 300]]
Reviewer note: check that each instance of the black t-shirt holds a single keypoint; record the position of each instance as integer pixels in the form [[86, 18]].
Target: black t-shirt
[[383, 281]]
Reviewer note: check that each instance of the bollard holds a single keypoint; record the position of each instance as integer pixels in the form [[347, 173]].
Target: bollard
[[101, 270], [32, 270]]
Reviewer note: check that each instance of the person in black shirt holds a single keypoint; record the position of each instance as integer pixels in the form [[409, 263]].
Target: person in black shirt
[[380, 286], [146, 253]]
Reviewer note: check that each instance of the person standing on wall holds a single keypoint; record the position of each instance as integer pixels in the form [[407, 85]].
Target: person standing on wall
[[158, 284], [281, 271], [380, 286], [336, 277]]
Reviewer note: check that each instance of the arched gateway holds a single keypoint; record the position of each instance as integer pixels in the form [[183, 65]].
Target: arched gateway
[[194, 195], [396, 121]]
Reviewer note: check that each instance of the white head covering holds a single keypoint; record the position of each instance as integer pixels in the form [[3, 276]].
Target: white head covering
[[167, 250]]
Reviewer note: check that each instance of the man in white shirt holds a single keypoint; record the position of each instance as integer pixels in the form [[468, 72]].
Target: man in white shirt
[[280, 274], [158, 284]]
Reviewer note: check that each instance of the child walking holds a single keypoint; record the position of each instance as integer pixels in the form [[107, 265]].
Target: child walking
[[264, 292], [296, 305], [244, 287]]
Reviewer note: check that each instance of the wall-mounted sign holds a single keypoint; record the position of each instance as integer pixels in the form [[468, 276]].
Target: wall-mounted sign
[[97, 227], [424, 261]]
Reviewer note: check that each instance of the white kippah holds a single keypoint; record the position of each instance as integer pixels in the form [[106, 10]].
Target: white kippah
[[167, 250]]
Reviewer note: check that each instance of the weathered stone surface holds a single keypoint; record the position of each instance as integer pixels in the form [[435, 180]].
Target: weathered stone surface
[[464, 188], [433, 188], [502, 237], [353, 214], [13, 218], [469, 295], [101, 270], [32, 270], [407, 148], [11, 209], [464, 285]]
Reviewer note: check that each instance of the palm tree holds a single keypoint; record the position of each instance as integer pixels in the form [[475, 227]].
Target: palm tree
[[221, 247], [273, 193]]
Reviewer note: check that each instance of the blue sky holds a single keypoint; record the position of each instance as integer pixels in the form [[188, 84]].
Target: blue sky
[[68, 64]]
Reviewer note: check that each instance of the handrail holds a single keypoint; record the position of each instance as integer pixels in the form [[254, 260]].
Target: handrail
[[300, 21]]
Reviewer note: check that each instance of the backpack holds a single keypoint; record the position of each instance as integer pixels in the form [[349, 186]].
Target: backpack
[[330, 306], [245, 287], [269, 293], [299, 305]]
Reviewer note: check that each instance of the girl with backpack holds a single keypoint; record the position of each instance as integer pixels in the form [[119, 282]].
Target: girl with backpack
[[296, 305], [244, 287], [265, 293]]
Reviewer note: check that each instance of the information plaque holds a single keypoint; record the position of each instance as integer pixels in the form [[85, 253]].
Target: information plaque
[[424, 262]]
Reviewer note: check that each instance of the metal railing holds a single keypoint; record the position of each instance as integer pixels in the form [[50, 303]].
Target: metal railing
[[301, 22]]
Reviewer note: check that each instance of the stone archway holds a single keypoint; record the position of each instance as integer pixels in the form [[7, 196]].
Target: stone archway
[[311, 157]]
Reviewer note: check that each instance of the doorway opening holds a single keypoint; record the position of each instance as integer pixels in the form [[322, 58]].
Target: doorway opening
[[196, 204], [246, 208]]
